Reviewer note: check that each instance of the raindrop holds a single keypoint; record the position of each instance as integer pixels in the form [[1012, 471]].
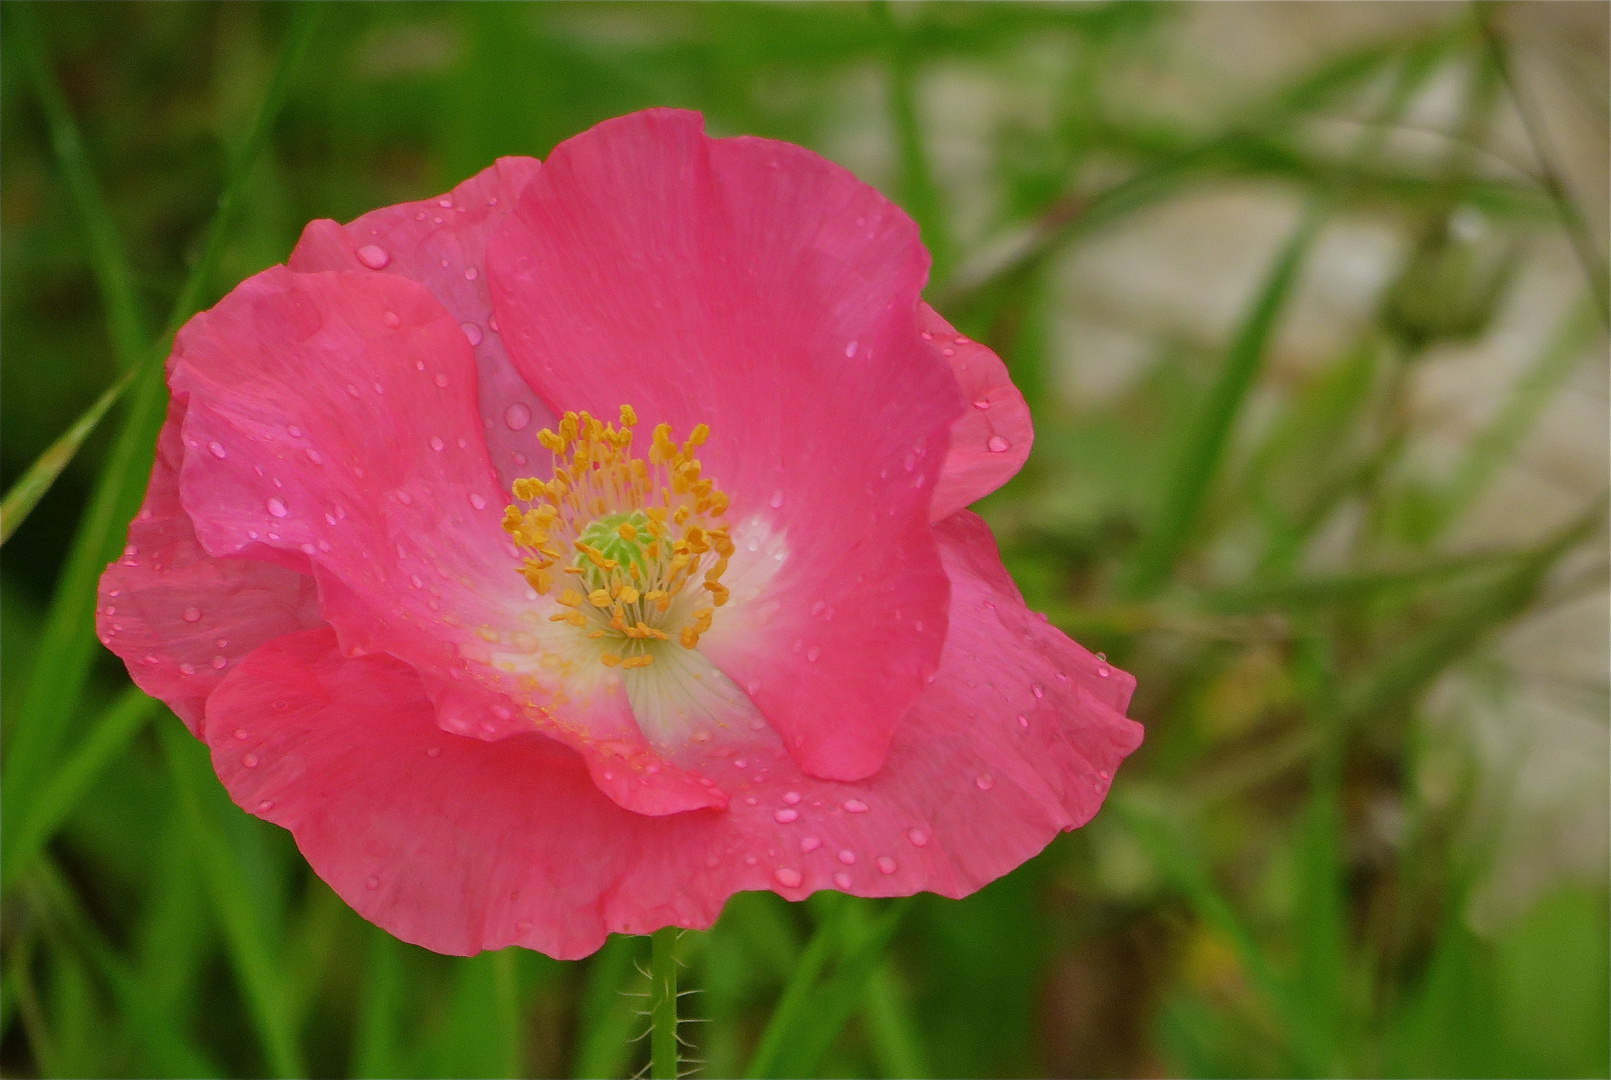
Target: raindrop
[[218, 449], [850, 350], [477, 501], [847, 857], [1104, 671], [445, 202], [886, 865], [1035, 689], [1104, 774], [374, 256], [948, 351], [1023, 721], [187, 669], [240, 733], [372, 882], [470, 273], [981, 404], [517, 416], [776, 500], [788, 878], [220, 663], [918, 837], [265, 806], [437, 444], [192, 614], [842, 880], [855, 806], [250, 761], [472, 332], [810, 844], [276, 508], [783, 817], [997, 445], [814, 652], [985, 782], [440, 379], [435, 751], [792, 798], [314, 456]]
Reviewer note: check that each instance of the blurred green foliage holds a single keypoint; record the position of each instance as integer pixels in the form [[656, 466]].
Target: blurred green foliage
[[1238, 908]]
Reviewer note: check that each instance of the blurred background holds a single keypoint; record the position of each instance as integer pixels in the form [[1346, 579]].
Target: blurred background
[[1309, 301]]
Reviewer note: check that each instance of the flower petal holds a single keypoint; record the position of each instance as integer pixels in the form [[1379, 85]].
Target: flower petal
[[343, 408], [438, 838], [990, 441], [761, 289], [441, 243], [179, 618]]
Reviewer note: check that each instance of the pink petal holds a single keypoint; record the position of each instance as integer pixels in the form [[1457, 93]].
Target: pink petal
[[354, 446], [180, 619], [443, 247], [461, 845], [761, 289], [990, 441]]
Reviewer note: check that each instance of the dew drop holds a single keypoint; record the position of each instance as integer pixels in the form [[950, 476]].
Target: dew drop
[[517, 416], [750, 860], [792, 798], [472, 332], [405, 498], [192, 614], [918, 837], [250, 761], [812, 653], [855, 806], [981, 404], [842, 880], [1035, 689], [371, 882], [783, 817], [997, 445], [478, 501], [217, 449], [440, 379], [1104, 774], [220, 663], [470, 273], [1023, 721], [788, 878], [445, 202], [374, 256], [437, 444], [776, 500], [850, 350], [276, 508], [886, 865], [435, 751], [265, 806], [1104, 671], [240, 733], [392, 320], [810, 844], [187, 669], [847, 857], [985, 782]]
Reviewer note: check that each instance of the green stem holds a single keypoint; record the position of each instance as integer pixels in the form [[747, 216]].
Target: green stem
[[663, 1055]]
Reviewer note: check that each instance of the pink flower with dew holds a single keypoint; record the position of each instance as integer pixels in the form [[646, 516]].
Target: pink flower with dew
[[564, 554]]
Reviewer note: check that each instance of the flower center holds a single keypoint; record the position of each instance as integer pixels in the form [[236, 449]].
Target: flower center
[[623, 538]]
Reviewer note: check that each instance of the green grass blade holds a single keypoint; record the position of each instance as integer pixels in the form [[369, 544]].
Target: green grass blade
[[1210, 435], [1305, 594], [1496, 443], [257, 963], [897, 1044], [792, 1013], [67, 646], [610, 1019], [125, 321], [865, 940], [915, 187], [32, 485], [43, 815], [380, 1005]]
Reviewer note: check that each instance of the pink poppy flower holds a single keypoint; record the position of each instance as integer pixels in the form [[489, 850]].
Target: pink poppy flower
[[567, 553]]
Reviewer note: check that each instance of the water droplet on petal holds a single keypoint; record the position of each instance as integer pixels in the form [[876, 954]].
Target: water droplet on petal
[[788, 878], [265, 806], [1023, 721], [981, 404], [855, 806], [371, 882], [276, 508], [472, 332], [997, 445], [374, 256], [435, 751], [985, 782], [886, 865], [918, 837], [842, 880], [1104, 774], [850, 350], [1036, 690], [240, 733], [792, 798], [220, 663], [445, 202], [812, 654], [217, 449], [192, 614], [776, 500], [440, 379], [810, 844], [847, 857], [437, 444], [1104, 671], [517, 416], [250, 761], [470, 273], [783, 817], [392, 320], [477, 501]]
